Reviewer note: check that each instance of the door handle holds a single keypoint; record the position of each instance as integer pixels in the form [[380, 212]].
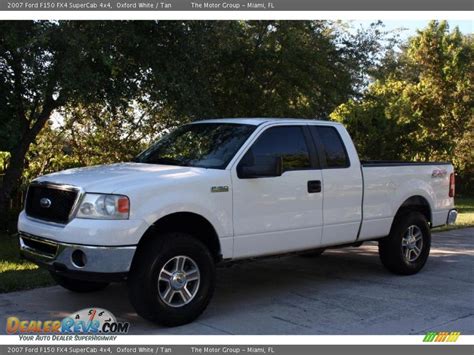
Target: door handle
[[314, 186]]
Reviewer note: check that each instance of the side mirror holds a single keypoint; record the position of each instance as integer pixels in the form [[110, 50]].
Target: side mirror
[[263, 166]]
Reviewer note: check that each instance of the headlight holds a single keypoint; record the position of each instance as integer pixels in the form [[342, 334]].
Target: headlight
[[104, 206]]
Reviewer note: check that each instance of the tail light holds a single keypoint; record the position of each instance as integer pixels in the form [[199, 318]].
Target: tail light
[[452, 185]]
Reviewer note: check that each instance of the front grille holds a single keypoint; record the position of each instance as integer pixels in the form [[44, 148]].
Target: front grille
[[46, 248], [61, 201]]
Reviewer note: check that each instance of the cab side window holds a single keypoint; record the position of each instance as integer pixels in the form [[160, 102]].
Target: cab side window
[[287, 142]]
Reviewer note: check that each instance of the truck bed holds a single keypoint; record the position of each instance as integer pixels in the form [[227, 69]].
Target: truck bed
[[388, 184]]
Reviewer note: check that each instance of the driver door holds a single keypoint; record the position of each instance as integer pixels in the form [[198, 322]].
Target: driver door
[[278, 214]]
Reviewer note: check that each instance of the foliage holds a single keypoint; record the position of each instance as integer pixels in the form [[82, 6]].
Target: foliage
[[45, 66], [382, 113], [4, 157], [90, 136], [116, 84], [16, 273], [255, 68], [421, 108]]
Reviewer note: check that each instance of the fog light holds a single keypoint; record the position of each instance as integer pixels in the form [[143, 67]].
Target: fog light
[[78, 258]]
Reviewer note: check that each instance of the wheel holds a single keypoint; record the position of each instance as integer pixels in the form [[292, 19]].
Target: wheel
[[80, 286], [406, 249], [313, 253], [172, 279]]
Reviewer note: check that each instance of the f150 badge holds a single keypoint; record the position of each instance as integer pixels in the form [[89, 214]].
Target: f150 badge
[[219, 188]]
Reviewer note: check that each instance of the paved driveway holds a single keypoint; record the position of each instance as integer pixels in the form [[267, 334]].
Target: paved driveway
[[345, 291]]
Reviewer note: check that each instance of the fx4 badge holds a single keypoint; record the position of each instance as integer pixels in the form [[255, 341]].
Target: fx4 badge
[[439, 173]]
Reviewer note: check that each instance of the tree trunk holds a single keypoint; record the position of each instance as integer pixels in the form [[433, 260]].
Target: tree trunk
[[12, 177], [11, 181]]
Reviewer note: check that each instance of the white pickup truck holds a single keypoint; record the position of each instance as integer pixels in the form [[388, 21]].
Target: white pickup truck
[[220, 190]]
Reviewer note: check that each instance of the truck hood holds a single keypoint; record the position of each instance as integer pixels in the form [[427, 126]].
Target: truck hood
[[113, 177]]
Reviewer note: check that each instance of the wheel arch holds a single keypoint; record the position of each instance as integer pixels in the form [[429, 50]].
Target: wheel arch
[[186, 222], [415, 203]]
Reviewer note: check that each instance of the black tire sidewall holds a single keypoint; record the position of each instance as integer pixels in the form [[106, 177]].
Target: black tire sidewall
[[391, 248], [157, 255]]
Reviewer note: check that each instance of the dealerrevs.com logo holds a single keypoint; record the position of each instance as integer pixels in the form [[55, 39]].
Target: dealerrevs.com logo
[[88, 320]]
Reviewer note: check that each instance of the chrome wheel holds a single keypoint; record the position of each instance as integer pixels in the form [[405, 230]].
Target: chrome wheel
[[178, 281], [412, 243]]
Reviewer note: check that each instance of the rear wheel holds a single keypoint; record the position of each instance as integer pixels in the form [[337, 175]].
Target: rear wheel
[[172, 279], [79, 286], [406, 250]]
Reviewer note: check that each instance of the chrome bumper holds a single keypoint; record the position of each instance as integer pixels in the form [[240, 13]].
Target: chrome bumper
[[452, 216], [75, 258]]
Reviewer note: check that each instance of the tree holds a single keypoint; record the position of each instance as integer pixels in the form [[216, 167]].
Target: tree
[[423, 103], [46, 65], [258, 68], [380, 124], [97, 73], [92, 135]]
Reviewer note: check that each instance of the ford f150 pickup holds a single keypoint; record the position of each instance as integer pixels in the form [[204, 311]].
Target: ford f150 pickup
[[220, 190]]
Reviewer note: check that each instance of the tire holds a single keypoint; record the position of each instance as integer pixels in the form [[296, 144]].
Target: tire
[[313, 253], [163, 302], [409, 230], [79, 286]]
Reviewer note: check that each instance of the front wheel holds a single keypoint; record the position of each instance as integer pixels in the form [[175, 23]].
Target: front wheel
[[172, 279], [406, 250]]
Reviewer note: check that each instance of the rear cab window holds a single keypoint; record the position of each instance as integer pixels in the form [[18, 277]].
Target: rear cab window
[[332, 151]]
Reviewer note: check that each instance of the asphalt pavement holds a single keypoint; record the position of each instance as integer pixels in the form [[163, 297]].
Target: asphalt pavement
[[344, 291]]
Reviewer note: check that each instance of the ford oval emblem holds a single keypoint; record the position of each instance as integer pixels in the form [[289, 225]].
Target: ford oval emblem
[[45, 202]]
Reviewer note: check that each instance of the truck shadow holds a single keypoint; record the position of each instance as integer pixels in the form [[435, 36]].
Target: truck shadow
[[295, 292]]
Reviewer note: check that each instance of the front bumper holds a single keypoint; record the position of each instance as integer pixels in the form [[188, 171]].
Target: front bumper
[[95, 263]]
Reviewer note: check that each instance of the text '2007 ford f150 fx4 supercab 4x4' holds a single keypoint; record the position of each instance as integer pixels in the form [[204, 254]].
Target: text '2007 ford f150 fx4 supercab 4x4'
[[225, 189]]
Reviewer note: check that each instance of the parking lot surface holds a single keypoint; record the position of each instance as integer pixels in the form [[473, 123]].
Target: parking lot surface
[[344, 291]]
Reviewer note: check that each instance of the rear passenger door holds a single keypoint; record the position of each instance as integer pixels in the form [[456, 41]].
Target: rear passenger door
[[342, 187], [282, 213]]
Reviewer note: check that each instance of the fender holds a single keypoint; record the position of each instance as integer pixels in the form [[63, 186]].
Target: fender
[[411, 188]]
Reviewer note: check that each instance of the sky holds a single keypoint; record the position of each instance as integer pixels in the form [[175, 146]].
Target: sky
[[410, 26]]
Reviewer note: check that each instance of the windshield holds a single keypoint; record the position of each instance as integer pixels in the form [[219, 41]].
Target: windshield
[[206, 145]]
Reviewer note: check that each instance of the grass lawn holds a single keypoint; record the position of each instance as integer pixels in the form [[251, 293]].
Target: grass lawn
[[465, 207], [17, 274]]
